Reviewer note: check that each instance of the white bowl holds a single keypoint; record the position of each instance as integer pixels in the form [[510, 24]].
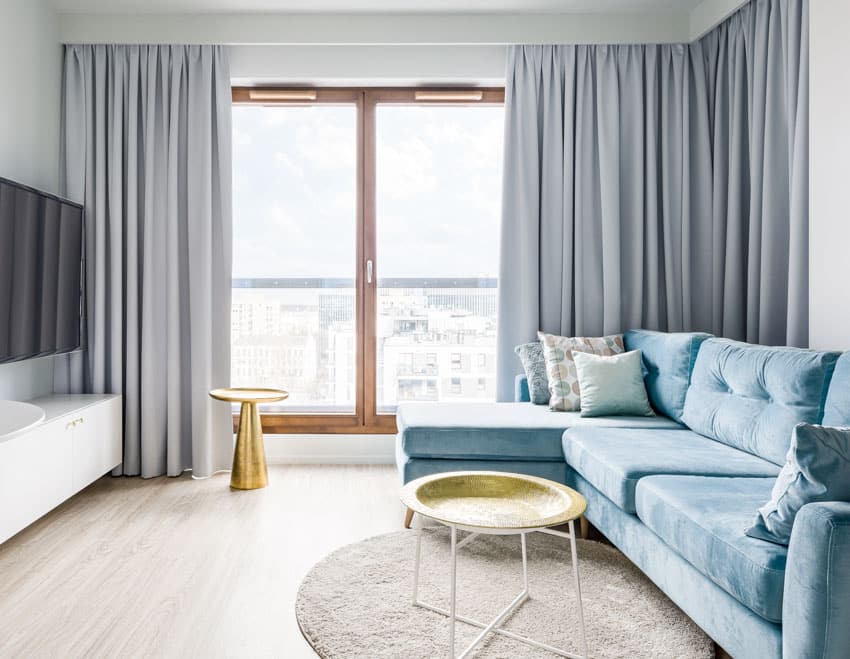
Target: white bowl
[[16, 417]]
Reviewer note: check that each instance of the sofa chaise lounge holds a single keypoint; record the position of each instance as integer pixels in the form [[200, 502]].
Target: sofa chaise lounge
[[676, 492]]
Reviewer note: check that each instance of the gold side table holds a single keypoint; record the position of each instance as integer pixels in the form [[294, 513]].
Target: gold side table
[[249, 457]]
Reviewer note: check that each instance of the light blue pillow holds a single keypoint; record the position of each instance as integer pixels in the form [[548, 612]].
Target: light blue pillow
[[613, 385], [817, 468]]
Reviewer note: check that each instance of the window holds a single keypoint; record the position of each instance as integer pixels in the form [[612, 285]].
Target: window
[[366, 228], [295, 205]]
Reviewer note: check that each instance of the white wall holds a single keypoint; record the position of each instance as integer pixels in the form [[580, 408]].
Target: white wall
[[829, 235], [368, 65], [30, 64]]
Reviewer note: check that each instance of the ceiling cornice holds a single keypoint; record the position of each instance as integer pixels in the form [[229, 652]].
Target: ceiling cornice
[[709, 14], [395, 29]]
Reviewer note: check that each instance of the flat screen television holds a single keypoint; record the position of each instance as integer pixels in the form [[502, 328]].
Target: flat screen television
[[41, 252]]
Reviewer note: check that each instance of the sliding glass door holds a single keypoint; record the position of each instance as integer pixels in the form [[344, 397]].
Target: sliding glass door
[[438, 182], [366, 230]]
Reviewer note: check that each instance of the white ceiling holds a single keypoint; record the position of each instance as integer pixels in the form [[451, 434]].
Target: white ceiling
[[374, 6]]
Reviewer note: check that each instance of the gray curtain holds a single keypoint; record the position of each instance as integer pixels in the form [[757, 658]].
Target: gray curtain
[[146, 148], [658, 186]]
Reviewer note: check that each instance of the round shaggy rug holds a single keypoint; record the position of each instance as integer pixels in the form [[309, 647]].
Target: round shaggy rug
[[356, 602]]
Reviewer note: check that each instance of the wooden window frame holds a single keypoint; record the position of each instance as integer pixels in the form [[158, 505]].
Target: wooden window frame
[[365, 419]]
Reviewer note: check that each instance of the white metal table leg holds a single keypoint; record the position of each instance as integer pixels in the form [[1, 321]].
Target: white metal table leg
[[453, 605], [524, 565], [578, 589], [517, 601], [494, 626], [416, 567]]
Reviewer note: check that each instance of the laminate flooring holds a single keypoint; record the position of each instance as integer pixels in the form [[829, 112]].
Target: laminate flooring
[[176, 567]]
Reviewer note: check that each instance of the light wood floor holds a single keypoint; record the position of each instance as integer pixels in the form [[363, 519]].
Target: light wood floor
[[182, 567]]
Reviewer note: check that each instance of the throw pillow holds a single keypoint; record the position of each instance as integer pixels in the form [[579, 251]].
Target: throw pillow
[[612, 386], [564, 390], [531, 356], [817, 468]]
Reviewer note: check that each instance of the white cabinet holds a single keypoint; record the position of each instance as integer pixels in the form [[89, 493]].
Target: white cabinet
[[94, 450], [34, 476], [79, 441]]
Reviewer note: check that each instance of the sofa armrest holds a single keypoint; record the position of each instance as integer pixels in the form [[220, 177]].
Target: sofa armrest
[[521, 394], [816, 602]]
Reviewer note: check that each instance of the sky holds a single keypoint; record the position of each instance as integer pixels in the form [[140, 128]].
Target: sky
[[439, 191]]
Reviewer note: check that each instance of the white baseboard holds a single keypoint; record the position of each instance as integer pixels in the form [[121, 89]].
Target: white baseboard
[[330, 449]]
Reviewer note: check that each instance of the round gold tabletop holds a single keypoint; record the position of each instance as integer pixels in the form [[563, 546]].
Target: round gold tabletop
[[249, 395], [493, 500]]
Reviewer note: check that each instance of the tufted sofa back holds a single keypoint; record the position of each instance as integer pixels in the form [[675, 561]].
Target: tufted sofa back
[[837, 412], [751, 397], [668, 358]]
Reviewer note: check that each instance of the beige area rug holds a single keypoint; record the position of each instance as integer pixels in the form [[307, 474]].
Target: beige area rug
[[356, 602]]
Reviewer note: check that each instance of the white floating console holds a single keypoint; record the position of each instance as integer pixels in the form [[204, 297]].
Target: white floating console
[[79, 440]]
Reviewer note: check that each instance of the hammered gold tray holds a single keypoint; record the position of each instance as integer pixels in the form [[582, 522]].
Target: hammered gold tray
[[493, 500]]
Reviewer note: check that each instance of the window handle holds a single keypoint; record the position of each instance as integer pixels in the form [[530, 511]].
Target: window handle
[[368, 271]]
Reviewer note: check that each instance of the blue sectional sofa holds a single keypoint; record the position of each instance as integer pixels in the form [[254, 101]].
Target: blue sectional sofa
[[676, 492]]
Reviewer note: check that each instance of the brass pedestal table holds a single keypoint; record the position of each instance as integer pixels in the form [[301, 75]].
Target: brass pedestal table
[[495, 503], [249, 457]]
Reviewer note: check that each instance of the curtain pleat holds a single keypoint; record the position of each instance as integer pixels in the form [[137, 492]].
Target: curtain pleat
[[659, 186], [146, 147]]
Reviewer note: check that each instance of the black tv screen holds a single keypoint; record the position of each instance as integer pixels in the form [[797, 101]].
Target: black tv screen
[[41, 242]]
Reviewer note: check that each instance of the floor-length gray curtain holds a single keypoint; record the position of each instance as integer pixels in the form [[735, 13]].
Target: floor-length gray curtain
[[146, 148], [658, 186], [758, 72]]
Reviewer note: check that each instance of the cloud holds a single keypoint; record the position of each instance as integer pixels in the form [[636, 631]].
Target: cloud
[[328, 142], [288, 165], [241, 137], [439, 192], [405, 169]]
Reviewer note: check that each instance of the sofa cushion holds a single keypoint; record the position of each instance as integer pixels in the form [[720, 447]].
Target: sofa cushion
[[669, 358], [751, 397], [613, 460], [703, 520], [496, 431], [837, 409], [413, 468]]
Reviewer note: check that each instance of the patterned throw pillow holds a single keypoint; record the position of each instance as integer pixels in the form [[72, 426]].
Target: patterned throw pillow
[[564, 391], [531, 356]]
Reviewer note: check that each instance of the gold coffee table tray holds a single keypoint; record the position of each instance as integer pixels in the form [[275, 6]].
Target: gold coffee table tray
[[493, 500]]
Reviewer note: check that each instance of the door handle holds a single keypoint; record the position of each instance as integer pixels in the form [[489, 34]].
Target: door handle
[[369, 271]]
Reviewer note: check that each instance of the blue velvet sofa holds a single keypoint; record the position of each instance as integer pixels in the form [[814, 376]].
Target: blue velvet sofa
[[676, 492]]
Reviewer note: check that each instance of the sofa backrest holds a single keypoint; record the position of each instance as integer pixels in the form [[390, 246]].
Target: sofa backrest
[[668, 358], [837, 410], [751, 396]]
